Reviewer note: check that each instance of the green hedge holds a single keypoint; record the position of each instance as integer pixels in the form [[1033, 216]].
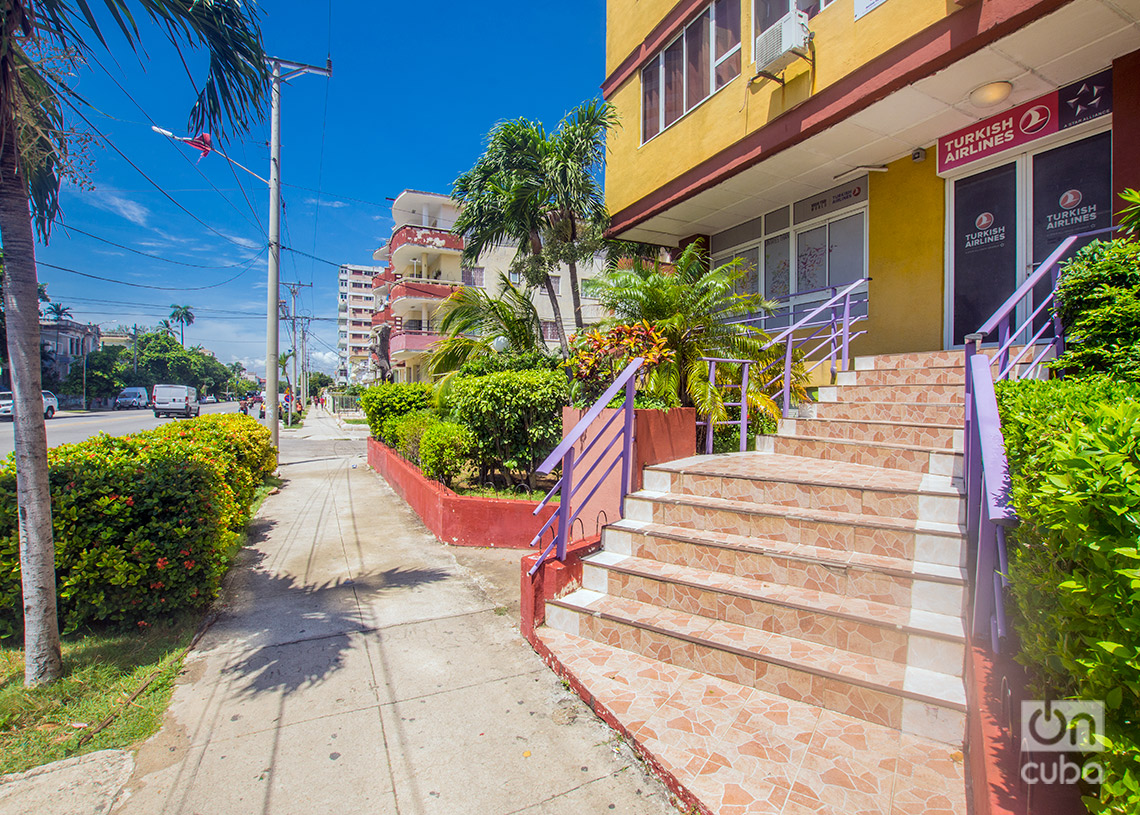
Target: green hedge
[[515, 417], [1074, 452], [392, 400], [143, 524], [445, 447]]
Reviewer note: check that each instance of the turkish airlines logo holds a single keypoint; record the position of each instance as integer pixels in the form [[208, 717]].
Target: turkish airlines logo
[[1034, 119], [984, 221], [1070, 199]]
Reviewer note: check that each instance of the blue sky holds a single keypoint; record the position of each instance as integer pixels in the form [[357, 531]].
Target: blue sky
[[415, 88]]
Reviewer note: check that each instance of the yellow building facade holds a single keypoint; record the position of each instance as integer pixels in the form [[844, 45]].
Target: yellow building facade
[[939, 149]]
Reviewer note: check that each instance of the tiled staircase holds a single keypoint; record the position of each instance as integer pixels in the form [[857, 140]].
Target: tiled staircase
[[782, 631]]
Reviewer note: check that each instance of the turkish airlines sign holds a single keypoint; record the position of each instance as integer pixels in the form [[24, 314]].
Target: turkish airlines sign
[[1072, 105]]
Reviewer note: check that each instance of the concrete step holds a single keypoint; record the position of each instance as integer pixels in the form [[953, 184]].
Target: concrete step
[[922, 394], [886, 377], [927, 435], [791, 480], [910, 699], [912, 458], [918, 359], [921, 639], [901, 412], [928, 541], [925, 586]]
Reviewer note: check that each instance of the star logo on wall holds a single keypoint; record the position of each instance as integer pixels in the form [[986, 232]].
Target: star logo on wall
[[1088, 97]]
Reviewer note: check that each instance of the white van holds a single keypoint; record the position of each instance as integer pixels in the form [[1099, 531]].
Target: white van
[[175, 400]]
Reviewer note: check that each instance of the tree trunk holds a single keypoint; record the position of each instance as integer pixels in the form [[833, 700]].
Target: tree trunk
[[575, 294], [536, 251], [42, 660]]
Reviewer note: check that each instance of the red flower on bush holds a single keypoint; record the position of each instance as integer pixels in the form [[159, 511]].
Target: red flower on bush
[[161, 563], [189, 564]]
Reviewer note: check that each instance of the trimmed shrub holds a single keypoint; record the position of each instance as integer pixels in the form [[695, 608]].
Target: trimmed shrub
[[523, 361], [408, 430], [1099, 303], [1074, 451], [393, 399], [143, 524], [444, 450], [515, 416]]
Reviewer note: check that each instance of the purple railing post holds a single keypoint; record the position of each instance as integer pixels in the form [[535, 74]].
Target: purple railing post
[[846, 327], [744, 408], [709, 419], [834, 331], [565, 507], [1003, 341], [627, 444], [788, 378]]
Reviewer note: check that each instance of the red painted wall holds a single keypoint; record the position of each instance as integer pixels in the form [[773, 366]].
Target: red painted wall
[[460, 520], [1126, 123]]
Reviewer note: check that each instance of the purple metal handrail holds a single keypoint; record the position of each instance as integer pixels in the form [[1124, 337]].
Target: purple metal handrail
[[988, 510], [836, 328], [568, 486]]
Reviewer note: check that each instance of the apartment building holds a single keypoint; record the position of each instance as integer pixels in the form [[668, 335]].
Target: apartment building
[[424, 267], [940, 149], [354, 322], [67, 342]]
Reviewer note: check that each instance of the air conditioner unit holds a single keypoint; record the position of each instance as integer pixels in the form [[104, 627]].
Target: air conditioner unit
[[782, 43]]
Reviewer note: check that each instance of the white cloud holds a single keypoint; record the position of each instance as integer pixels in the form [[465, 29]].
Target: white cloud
[[110, 200], [326, 202]]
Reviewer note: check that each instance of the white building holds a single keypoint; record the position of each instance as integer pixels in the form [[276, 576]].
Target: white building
[[425, 266], [354, 321]]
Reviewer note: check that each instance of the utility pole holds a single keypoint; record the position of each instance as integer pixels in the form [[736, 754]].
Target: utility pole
[[135, 346], [293, 289], [291, 70]]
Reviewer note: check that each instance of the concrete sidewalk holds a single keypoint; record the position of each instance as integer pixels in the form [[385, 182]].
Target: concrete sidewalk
[[355, 667]]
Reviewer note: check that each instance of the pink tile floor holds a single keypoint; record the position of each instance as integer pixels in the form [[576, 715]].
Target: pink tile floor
[[740, 751]]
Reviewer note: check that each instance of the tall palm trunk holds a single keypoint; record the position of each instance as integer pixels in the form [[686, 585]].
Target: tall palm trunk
[[536, 251], [42, 661], [575, 295]]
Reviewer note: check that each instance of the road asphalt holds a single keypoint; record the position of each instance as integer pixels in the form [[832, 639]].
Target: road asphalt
[[355, 665]]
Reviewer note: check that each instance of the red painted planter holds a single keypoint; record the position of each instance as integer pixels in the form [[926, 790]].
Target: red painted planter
[[658, 436], [461, 520]]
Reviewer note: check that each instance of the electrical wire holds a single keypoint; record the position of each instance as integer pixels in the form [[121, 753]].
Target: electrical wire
[[70, 227], [314, 257], [144, 285]]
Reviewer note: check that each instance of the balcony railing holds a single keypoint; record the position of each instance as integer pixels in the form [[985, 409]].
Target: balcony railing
[[412, 341], [420, 289]]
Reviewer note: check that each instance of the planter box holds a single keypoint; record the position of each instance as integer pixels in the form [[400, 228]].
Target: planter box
[[460, 520], [658, 436]]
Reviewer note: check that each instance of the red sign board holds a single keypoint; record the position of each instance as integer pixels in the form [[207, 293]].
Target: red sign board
[[1061, 109]]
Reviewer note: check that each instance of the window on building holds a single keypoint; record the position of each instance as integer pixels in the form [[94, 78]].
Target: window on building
[[769, 12], [556, 284], [549, 330], [703, 58], [472, 277]]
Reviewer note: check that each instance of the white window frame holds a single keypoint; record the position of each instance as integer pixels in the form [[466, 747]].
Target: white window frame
[[823, 4], [687, 106]]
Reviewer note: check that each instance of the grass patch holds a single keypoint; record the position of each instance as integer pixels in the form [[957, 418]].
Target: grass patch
[[355, 421], [45, 724], [500, 492]]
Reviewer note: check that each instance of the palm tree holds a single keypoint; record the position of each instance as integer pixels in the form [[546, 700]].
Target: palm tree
[[529, 188], [184, 316], [476, 324], [688, 302], [34, 138], [165, 327]]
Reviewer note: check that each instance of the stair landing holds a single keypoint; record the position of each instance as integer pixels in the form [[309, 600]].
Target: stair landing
[[742, 751]]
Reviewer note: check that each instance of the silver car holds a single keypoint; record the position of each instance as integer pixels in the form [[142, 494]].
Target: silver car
[[51, 404]]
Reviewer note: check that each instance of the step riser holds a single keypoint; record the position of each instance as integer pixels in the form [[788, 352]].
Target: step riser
[[854, 635], [920, 359], [786, 680], [887, 411], [903, 376], [948, 509], [847, 581], [928, 547], [943, 438], [943, 464], [921, 394]]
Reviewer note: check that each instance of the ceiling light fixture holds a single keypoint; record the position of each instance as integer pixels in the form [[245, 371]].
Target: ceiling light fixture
[[990, 94]]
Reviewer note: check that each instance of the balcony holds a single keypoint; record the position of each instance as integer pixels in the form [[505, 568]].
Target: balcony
[[412, 293], [410, 241], [411, 343], [382, 282]]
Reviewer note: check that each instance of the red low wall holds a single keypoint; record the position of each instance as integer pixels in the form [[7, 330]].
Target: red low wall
[[461, 520]]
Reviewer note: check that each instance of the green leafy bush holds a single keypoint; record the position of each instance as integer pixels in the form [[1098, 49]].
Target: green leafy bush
[[1099, 303], [1074, 451], [515, 416], [521, 361], [444, 449], [143, 524], [408, 430], [393, 399]]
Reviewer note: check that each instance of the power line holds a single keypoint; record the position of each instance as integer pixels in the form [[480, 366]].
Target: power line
[[314, 257], [72, 228], [143, 285]]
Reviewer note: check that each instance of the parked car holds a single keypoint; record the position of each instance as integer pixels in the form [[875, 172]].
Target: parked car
[[175, 400], [132, 398], [210, 400], [51, 404]]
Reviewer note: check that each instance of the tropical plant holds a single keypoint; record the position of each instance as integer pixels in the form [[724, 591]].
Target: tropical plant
[[600, 356], [530, 188], [165, 327], [475, 324], [1129, 216], [184, 316], [688, 303], [34, 150]]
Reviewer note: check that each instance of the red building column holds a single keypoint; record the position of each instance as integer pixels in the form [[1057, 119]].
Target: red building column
[[1126, 123]]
